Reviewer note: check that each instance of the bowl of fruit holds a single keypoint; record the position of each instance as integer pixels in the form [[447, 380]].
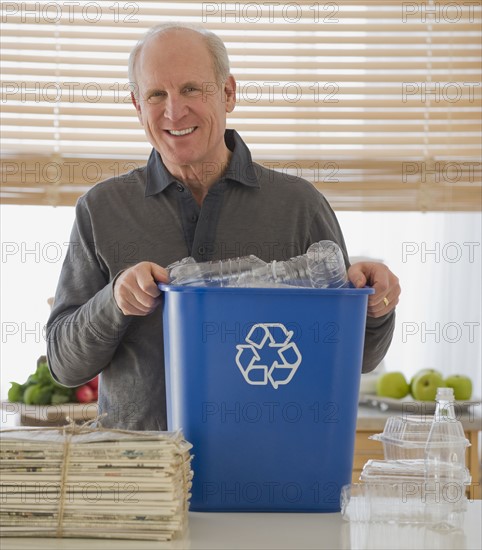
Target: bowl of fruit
[[394, 391], [42, 401]]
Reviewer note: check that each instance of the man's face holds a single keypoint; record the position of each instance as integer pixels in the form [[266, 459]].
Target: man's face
[[180, 103]]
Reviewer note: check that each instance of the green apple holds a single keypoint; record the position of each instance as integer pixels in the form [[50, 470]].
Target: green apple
[[420, 372], [425, 383], [392, 384], [462, 386]]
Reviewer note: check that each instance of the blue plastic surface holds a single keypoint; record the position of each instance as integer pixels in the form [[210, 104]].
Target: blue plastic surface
[[264, 383]]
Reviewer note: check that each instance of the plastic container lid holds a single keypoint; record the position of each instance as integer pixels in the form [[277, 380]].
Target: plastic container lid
[[412, 432]]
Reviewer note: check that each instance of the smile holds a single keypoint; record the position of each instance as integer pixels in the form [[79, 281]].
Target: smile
[[182, 132]]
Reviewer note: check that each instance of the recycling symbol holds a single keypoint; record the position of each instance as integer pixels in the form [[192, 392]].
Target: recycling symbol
[[269, 355]]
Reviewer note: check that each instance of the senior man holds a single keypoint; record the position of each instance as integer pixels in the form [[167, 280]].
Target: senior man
[[200, 195]]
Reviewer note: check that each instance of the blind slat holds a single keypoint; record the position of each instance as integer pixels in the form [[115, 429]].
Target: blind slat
[[21, 51], [362, 24], [400, 38], [321, 76]]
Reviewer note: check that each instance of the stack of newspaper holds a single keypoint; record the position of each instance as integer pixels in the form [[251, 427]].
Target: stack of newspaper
[[92, 482]]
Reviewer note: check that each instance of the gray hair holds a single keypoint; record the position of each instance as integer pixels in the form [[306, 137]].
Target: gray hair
[[214, 44]]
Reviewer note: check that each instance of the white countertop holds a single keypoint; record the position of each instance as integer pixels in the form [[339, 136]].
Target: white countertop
[[287, 531]]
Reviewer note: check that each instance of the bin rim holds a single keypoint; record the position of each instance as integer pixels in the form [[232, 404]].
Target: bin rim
[[350, 291]]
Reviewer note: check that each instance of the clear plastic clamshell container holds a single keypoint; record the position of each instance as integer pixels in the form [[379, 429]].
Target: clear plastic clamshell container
[[405, 438], [400, 503], [411, 471]]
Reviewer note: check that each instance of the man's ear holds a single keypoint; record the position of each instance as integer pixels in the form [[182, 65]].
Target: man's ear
[[230, 93], [137, 105]]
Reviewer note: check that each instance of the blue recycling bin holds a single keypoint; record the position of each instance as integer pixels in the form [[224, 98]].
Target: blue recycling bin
[[264, 383]]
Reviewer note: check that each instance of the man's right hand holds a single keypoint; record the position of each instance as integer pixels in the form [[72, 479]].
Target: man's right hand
[[136, 291]]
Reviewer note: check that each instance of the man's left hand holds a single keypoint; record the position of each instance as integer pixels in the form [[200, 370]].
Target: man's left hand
[[385, 283]]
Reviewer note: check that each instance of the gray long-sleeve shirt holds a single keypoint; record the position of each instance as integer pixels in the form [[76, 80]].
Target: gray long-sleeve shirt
[[147, 215]]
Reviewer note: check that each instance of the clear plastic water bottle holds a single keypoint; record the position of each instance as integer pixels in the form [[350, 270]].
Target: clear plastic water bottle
[[446, 476], [446, 442], [322, 266]]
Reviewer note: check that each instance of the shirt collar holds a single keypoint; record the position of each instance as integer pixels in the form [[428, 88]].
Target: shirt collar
[[240, 168]]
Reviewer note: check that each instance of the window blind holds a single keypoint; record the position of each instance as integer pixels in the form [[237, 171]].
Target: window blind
[[375, 102]]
